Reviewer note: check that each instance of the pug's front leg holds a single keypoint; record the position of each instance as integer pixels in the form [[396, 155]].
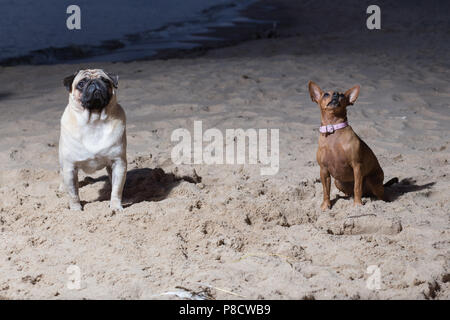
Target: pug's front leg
[[118, 176], [70, 180]]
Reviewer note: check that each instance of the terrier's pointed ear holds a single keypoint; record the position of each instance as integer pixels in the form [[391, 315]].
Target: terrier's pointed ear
[[352, 94], [69, 80], [114, 78], [314, 91]]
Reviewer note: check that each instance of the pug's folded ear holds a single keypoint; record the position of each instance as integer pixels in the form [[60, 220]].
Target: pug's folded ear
[[114, 79], [69, 80]]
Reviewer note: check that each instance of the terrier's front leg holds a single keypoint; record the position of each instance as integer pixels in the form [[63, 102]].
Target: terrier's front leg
[[118, 177], [358, 189], [325, 177]]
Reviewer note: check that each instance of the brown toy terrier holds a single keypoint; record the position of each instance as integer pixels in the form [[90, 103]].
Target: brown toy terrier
[[341, 153]]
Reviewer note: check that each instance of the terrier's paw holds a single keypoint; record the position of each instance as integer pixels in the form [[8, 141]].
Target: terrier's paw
[[357, 203], [325, 205]]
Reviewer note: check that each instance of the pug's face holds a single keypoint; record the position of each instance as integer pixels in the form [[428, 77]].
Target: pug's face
[[92, 88]]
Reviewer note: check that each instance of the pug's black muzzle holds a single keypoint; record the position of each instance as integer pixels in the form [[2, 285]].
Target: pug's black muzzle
[[96, 95]]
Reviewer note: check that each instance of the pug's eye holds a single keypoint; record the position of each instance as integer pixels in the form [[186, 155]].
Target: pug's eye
[[81, 84], [106, 81], [326, 95]]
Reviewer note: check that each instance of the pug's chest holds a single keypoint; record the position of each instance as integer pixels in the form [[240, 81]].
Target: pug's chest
[[99, 143]]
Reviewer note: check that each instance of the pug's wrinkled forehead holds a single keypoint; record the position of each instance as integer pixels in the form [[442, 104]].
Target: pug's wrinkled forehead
[[91, 74], [87, 74]]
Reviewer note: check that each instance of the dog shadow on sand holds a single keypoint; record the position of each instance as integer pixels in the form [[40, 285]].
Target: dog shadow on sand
[[404, 186], [395, 191], [143, 184]]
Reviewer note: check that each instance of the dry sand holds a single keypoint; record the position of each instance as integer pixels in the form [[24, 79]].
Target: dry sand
[[236, 233]]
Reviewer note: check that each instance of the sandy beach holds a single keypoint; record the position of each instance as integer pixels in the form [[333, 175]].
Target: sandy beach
[[226, 231]]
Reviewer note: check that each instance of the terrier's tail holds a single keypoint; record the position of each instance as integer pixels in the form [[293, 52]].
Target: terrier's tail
[[391, 182]]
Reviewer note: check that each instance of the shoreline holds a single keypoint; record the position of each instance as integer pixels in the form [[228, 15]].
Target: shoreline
[[260, 25], [269, 18]]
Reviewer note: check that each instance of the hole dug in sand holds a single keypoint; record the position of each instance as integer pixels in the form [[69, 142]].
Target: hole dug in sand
[[341, 224]]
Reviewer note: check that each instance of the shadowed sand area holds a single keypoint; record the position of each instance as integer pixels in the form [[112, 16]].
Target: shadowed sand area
[[226, 227]]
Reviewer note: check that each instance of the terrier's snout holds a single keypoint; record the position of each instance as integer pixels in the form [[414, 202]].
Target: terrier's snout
[[334, 99]]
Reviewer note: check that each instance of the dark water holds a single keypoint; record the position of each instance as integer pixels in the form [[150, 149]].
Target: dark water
[[35, 32]]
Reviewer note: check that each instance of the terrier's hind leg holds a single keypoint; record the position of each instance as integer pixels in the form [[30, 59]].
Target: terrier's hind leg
[[374, 184]]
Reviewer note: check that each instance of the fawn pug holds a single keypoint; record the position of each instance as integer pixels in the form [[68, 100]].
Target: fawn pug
[[93, 134]]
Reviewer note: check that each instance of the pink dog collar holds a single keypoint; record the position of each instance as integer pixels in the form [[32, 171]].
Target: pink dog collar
[[332, 127]]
